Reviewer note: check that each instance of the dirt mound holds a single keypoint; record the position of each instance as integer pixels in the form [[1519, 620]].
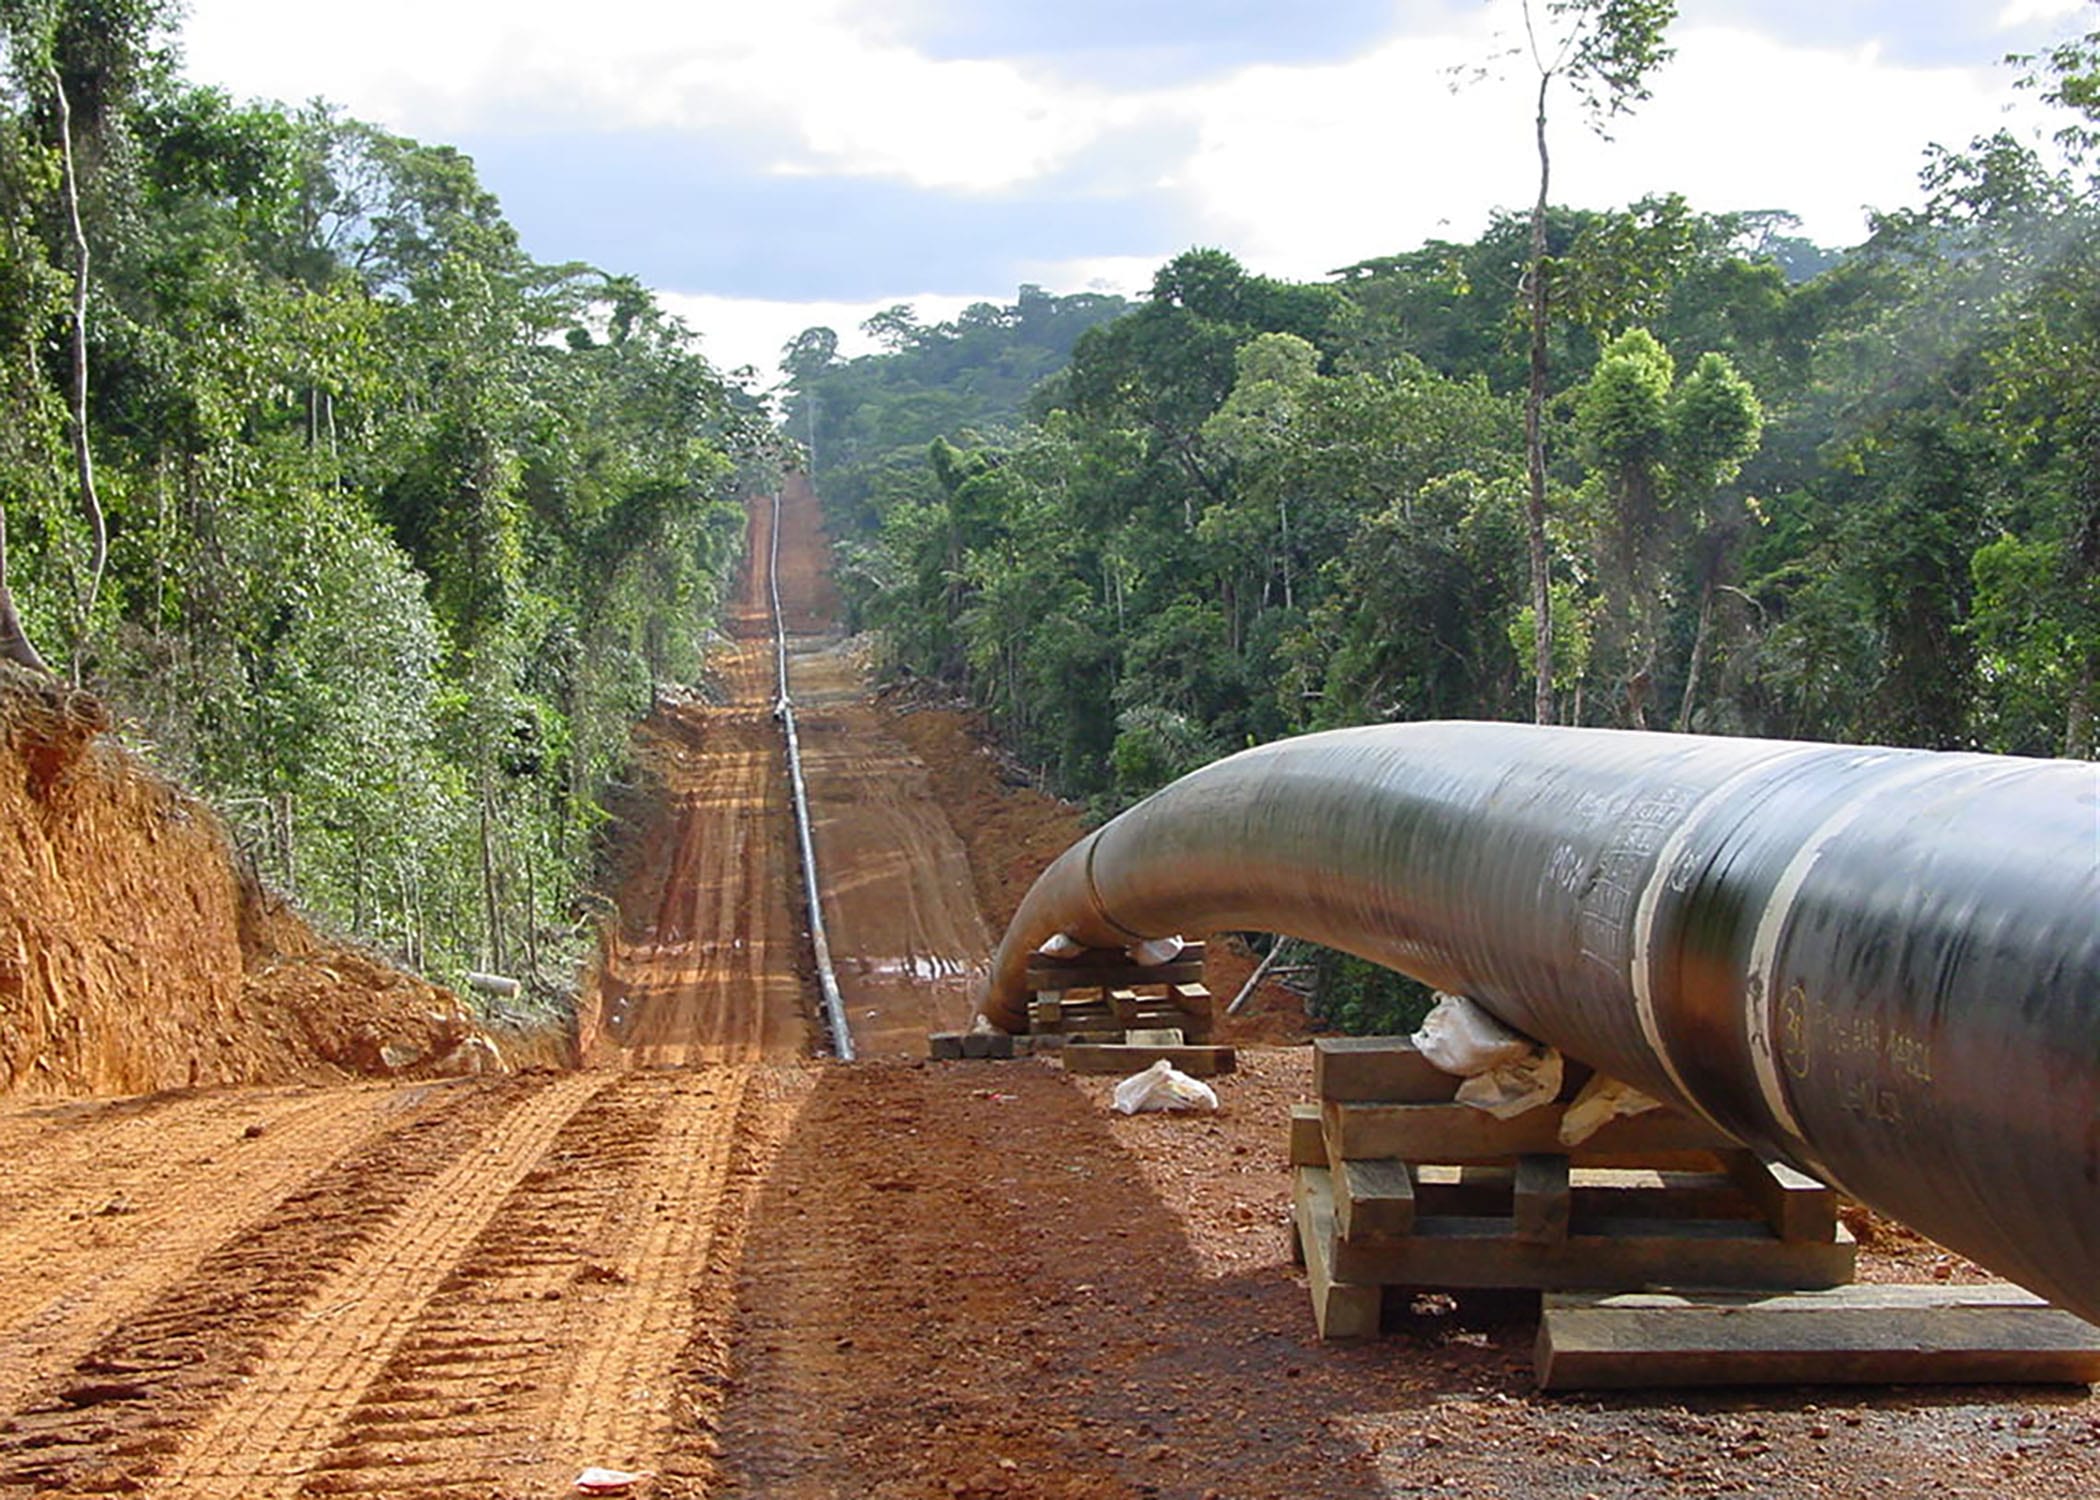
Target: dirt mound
[[136, 954], [1012, 831]]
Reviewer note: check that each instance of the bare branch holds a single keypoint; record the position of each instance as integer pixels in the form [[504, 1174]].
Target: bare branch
[[83, 457]]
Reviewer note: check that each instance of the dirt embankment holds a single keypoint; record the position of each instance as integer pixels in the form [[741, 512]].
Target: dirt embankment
[[136, 955]]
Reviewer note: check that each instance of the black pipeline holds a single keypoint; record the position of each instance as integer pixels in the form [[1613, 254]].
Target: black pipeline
[[1881, 966]]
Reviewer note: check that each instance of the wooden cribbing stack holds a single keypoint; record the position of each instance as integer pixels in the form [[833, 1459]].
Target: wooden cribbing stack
[[1400, 1189], [1105, 1013], [1399, 1186], [1109, 1014]]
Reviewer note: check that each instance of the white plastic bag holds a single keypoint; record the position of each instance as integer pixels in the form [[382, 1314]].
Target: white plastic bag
[[1152, 951], [1163, 1086], [1513, 1088], [1459, 1037], [1601, 1101]]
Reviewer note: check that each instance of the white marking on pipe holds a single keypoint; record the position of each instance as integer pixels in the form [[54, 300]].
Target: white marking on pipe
[[1758, 999], [1662, 873]]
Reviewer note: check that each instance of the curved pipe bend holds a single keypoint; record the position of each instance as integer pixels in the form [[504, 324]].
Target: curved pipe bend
[[1882, 966]]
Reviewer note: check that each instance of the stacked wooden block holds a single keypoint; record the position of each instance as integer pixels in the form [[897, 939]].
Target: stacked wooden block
[[1108, 1014], [1399, 1187], [953, 1046]]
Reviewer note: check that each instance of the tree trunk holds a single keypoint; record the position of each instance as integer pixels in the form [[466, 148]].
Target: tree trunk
[[532, 943], [491, 906], [2078, 720], [1697, 665], [1283, 512], [1535, 441], [83, 458], [15, 645]]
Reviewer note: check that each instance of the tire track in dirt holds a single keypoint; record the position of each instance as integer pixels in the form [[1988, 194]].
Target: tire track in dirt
[[709, 973], [553, 1343], [217, 1172], [117, 1415], [708, 964], [460, 1405], [960, 1282], [688, 1465], [623, 1402], [270, 1429]]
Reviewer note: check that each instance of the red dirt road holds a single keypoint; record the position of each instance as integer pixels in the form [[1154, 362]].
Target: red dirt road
[[710, 959]]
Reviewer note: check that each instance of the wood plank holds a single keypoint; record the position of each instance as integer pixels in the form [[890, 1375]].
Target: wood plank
[[1458, 1133], [1121, 1059], [1199, 1013], [1341, 1310], [1308, 1145], [1881, 1335], [1541, 1209], [1593, 1193], [1111, 967], [1602, 1255], [1367, 1069], [1373, 1199], [1796, 1205]]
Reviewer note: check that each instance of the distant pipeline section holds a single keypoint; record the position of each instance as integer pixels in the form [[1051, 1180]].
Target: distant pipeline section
[[1880, 966], [832, 1003]]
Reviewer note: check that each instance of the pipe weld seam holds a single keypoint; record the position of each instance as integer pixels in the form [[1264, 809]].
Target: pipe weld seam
[[1093, 892]]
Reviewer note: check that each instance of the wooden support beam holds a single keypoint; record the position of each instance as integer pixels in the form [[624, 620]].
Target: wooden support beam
[[1607, 1254], [1593, 1193], [1878, 1335], [1111, 967], [1120, 1059], [1199, 1013], [1541, 1206], [1341, 1310], [1308, 1144], [1373, 1199], [1368, 1069], [1796, 1205], [1458, 1133]]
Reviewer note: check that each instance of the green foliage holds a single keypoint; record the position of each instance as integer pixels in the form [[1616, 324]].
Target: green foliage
[[1366, 999], [1606, 49], [1620, 414], [858, 420], [405, 528]]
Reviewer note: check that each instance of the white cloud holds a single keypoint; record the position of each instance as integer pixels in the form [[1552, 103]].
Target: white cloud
[[1295, 169], [810, 79], [1302, 170], [2027, 12]]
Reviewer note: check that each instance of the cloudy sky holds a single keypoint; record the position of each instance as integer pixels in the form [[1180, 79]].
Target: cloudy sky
[[771, 165]]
